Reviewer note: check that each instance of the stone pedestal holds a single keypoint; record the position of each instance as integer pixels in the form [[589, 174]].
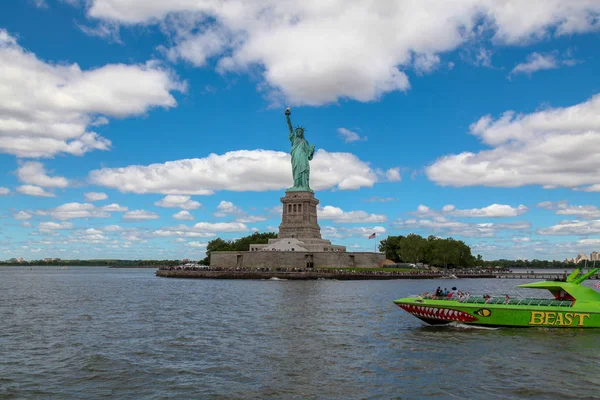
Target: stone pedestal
[[299, 218]]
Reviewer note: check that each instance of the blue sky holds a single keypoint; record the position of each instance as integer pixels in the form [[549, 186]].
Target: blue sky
[[143, 129]]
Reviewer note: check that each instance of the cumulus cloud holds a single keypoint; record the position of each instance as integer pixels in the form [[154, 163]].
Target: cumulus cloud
[[442, 225], [374, 199], [174, 201], [335, 232], [22, 215], [52, 106], [34, 173], [393, 175], [74, 210], [315, 53], [553, 148], [140, 215], [227, 208], [197, 244], [241, 170], [52, 226], [114, 207], [350, 136], [183, 215], [32, 190], [200, 229], [4, 191], [572, 227], [336, 214], [95, 196], [536, 62], [491, 211], [563, 208]]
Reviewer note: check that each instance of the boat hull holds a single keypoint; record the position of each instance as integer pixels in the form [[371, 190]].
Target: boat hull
[[436, 312]]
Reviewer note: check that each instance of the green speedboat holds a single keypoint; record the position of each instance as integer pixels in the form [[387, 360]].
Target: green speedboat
[[573, 306]]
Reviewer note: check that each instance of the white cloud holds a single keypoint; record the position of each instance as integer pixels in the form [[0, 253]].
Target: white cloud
[[441, 225], [374, 199], [338, 215], [183, 215], [112, 228], [114, 207], [139, 215], [350, 136], [563, 208], [52, 106], [74, 210], [31, 190], [175, 201], [393, 175], [95, 196], [242, 170], [491, 211], [536, 62], [530, 149], [22, 215], [227, 208], [315, 53], [573, 227], [4, 191], [33, 173], [51, 226], [342, 232], [201, 229], [198, 244]]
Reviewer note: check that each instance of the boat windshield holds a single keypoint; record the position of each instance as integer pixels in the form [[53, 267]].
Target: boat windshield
[[502, 300]]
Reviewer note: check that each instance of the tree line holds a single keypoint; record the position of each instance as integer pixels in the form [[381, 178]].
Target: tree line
[[93, 263], [241, 244], [432, 250]]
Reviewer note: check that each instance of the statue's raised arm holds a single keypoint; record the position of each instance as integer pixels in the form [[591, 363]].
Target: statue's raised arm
[[289, 123]]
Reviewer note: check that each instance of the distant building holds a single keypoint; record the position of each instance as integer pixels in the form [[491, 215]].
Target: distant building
[[581, 257], [595, 256]]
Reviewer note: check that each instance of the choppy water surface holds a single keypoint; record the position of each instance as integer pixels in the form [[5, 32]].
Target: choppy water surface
[[91, 333]]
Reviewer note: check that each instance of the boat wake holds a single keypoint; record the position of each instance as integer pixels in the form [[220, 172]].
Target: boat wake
[[276, 279], [465, 326]]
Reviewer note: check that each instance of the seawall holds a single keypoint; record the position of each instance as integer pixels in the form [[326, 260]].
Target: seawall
[[232, 274]]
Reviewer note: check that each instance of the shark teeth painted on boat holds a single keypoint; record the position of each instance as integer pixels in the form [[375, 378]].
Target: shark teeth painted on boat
[[443, 314]]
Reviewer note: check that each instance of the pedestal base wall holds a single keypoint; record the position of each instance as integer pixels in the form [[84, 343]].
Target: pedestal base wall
[[292, 259]]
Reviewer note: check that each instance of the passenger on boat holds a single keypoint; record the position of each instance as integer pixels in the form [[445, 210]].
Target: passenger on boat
[[507, 299], [488, 298], [439, 292], [453, 293]]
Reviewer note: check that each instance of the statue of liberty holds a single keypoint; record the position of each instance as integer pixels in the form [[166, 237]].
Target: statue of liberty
[[301, 153]]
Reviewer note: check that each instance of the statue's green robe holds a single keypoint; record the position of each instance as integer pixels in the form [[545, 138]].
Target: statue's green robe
[[301, 153]]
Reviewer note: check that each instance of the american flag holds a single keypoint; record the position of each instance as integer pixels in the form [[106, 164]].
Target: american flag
[[372, 236], [597, 285]]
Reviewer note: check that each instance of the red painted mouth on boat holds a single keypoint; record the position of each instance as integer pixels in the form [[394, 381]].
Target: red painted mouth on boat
[[442, 314]]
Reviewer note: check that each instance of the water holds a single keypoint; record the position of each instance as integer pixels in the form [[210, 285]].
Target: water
[[93, 333]]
